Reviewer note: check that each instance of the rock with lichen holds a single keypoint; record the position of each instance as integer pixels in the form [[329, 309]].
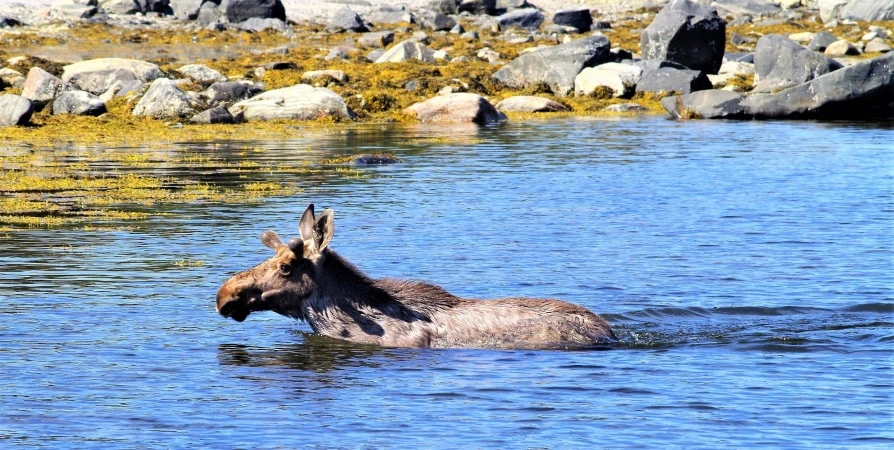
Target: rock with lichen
[[458, 107]]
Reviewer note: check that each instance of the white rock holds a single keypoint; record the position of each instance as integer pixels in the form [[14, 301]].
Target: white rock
[[142, 70], [407, 50], [300, 102], [621, 78]]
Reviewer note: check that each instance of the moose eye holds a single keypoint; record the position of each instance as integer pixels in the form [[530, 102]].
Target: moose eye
[[285, 269]]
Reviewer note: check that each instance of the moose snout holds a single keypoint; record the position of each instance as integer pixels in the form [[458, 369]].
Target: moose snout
[[233, 301]]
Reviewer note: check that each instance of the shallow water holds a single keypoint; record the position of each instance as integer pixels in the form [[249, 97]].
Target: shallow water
[[746, 267]]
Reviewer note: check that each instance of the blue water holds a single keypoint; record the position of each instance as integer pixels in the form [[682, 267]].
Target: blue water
[[746, 267]]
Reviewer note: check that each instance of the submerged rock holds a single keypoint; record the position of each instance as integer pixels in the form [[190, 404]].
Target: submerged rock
[[458, 107], [299, 102], [628, 108], [530, 104], [687, 33], [165, 100], [555, 66], [15, 110], [709, 104], [79, 103]]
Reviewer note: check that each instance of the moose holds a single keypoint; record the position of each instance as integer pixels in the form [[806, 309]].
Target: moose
[[307, 280]]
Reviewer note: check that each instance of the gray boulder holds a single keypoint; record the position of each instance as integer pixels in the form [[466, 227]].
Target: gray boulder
[[478, 6], [530, 104], [345, 19], [458, 107], [300, 102], [213, 115], [865, 89], [164, 100], [186, 9], [877, 45], [708, 104], [15, 110], [841, 48], [555, 66], [670, 79], [387, 15], [202, 75], [822, 40], [868, 10], [78, 103], [375, 54], [97, 75], [97, 82], [407, 50], [229, 92], [238, 11], [41, 87], [158, 6], [754, 8], [686, 33], [209, 14], [257, 25], [527, 18], [438, 22], [829, 9], [577, 18], [445, 6], [122, 7], [378, 39], [780, 62]]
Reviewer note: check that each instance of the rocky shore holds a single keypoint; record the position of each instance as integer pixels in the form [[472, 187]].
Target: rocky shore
[[481, 61]]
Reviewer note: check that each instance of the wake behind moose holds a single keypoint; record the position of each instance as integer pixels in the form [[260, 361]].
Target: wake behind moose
[[307, 280]]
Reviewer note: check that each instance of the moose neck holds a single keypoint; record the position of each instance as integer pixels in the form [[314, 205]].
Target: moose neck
[[342, 288]]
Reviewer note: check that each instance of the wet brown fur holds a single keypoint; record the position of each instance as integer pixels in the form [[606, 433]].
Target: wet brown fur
[[339, 301]]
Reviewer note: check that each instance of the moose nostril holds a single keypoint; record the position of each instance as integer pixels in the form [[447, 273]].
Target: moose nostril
[[226, 309]]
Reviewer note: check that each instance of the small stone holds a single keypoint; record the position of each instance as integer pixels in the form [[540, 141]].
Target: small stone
[[379, 39], [314, 75], [877, 45], [203, 75], [841, 48], [530, 104], [280, 65], [406, 51]]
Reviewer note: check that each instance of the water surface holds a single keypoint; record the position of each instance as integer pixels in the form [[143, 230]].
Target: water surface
[[746, 266]]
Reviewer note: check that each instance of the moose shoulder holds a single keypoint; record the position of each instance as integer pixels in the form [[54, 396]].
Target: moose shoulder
[[308, 281]]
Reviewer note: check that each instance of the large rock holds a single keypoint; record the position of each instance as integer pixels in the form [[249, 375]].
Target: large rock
[[345, 19], [670, 79], [780, 62], [863, 89], [527, 18], [478, 6], [15, 110], [822, 40], [868, 10], [79, 103], [445, 6], [555, 66], [213, 115], [530, 104], [378, 39], [578, 18], [41, 87], [186, 9], [300, 102], [241, 10], [164, 100], [438, 21], [202, 75], [407, 50], [387, 15], [229, 92], [754, 8], [620, 78], [122, 7], [829, 9], [97, 75], [686, 33], [459, 107], [841, 48], [709, 104], [257, 25]]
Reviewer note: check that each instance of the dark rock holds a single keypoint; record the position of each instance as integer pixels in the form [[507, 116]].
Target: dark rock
[[257, 25], [619, 54], [280, 65], [238, 11], [780, 62], [865, 89], [478, 6], [555, 66], [230, 92], [708, 104], [688, 33], [822, 40], [346, 19], [754, 8], [213, 115], [379, 39], [15, 110], [527, 18], [7, 22], [209, 14], [458, 107], [157, 6], [669, 79], [78, 103], [439, 22], [578, 18], [374, 160], [132, 87], [601, 25]]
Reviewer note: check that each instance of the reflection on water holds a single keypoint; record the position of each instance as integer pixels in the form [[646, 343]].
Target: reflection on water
[[746, 266]]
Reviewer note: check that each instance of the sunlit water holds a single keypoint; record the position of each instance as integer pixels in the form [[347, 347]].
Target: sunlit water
[[746, 267]]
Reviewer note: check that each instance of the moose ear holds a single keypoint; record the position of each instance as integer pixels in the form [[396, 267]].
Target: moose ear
[[270, 239], [324, 228], [306, 224]]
